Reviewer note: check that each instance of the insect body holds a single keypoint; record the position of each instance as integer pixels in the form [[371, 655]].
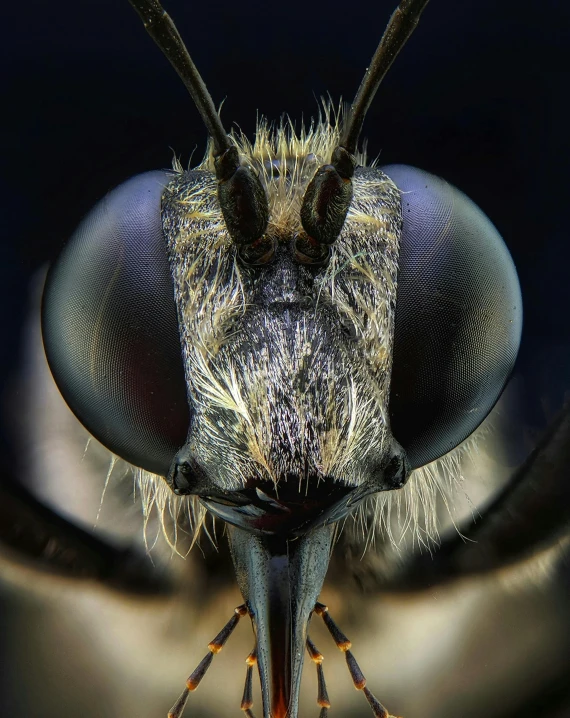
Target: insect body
[[231, 330]]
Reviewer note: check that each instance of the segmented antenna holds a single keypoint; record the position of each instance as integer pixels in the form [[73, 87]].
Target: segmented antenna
[[160, 27], [329, 194], [241, 195], [400, 26]]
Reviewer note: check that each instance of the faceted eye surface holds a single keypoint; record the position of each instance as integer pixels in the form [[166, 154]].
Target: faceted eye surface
[[112, 340], [458, 317], [110, 327]]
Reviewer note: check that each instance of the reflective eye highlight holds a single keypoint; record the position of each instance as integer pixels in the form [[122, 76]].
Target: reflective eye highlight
[[458, 317], [110, 327], [112, 339]]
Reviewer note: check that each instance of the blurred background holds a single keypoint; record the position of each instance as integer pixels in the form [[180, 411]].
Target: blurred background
[[478, 97]]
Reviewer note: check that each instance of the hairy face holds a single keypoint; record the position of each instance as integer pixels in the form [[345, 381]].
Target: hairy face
[[287, 368]]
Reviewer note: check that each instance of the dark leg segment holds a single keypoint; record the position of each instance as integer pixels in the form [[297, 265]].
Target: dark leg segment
[[338, 636], [247, 700], [323, 696], [180, 704], [214, 647], [356, 674]]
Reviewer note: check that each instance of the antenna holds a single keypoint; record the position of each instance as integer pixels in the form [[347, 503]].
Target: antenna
[[329, 193], [401, 25], [241, 195], [159, 25]]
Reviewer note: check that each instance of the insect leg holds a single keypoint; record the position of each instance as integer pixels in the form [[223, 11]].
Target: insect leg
[[356, 674], [214, 647], [247, 700], [180, 704], [323, 696]]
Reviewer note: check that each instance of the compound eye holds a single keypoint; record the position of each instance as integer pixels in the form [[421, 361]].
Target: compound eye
[[110, 327], [458, 317]]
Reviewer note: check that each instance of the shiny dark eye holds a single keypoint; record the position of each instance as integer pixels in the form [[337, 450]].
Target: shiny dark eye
[[110, 327], [458, 317], [112, 339]]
